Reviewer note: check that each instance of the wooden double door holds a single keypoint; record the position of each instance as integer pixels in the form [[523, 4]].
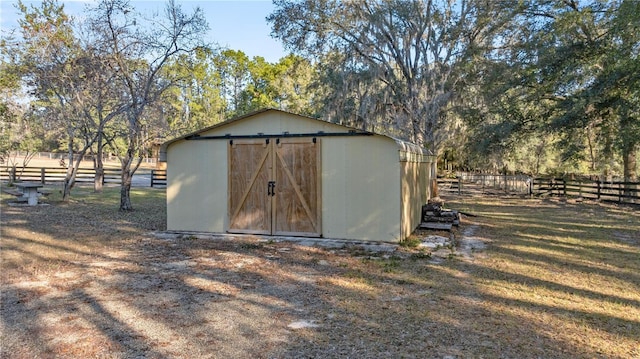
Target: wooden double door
[[274, 186]]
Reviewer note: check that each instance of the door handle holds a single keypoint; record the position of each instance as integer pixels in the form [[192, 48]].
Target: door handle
[[271, 189]]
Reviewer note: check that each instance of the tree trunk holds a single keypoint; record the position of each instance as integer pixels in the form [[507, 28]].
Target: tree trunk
[[68, 178], [434, 178], [72, 171], [630, 170], [125, 189], [128, 169], [630, 164], [12, 175], [125, 192], [592, 156], [66, 190], [99, 178], [98, 165]]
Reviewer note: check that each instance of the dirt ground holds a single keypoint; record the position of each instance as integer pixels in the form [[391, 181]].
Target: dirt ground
[[78, 283]]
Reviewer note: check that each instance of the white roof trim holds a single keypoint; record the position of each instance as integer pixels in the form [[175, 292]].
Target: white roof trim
[[410, 152]]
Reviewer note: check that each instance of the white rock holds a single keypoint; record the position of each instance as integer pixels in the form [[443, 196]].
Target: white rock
[[301, 324], [428, 245]]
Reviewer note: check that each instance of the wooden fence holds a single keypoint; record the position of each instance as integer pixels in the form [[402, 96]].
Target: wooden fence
[[621, 192], [612, 191], [65, 156], [158, 178], [57, 174], [494, 182]]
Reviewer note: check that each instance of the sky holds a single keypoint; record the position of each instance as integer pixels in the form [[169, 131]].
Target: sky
[[237, 25]]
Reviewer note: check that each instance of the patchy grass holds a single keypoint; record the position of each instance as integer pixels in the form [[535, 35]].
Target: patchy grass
[[570, 271], [81, 279], [411, 242]]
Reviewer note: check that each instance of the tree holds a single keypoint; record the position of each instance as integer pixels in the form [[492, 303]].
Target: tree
[[393, 65], [73, 85], [615, 90], [45, 60], [260, 91], [100, 104], [233, 72], [285, 85], [20, 134], [196, 101], [293, 85], [588, 51], [571, 69], [140, 48], [11, 136]]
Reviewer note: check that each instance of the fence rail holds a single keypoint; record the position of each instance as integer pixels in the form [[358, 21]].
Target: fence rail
[[612, 191], [158, 178], [65, 156], [57, 174], [615, 191], [500, 182]]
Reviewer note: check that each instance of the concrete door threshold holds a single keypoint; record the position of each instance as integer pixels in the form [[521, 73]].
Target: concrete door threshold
[[303, 241]]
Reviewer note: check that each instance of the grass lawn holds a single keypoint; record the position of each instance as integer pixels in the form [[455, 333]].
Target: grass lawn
[[557, 279], [559, 275]]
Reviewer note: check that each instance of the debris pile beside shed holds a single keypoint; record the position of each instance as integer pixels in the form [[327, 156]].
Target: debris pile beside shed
[[435, 216]]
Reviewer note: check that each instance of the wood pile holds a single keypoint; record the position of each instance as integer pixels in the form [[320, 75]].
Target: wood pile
[[434, 216]]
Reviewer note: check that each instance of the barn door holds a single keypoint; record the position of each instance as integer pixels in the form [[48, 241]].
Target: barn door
[[296, 173], [250, 169], [274, 187]]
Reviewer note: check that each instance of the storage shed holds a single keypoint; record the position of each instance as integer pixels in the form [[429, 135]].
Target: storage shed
[[276, 173]]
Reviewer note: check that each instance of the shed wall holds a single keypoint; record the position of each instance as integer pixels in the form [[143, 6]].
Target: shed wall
[[362, 192], [361, 188], [197, 186], [415, 193]]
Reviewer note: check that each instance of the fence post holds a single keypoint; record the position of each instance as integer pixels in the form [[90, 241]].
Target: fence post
[[619, 192], [506, 186], [580, 187], [598, 183], [42, 175], [459, 185], [152, 174]]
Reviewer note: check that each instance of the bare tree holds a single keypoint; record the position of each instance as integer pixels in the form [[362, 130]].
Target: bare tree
[[140, 47], [67, 80], [98, 101]]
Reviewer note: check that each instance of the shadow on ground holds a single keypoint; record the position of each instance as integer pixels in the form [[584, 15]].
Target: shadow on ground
[[548, 284]]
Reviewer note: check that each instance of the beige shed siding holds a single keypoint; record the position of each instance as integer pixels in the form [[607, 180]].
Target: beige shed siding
[[415, 193], [360, 188], [415, 167], [197, 187], [368, 190], [274, 122]]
